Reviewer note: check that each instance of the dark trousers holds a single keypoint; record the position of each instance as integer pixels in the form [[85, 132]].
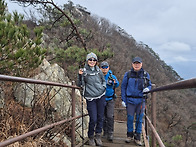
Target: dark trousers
[[131, 111], [96, 113], [108, 125]]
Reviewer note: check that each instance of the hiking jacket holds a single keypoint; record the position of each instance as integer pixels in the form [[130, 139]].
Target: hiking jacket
[[93, 83], [110, 88], [132, 87]]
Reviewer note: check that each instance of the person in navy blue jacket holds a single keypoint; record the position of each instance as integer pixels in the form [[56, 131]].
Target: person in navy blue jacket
[[111, 84], [136, 83]]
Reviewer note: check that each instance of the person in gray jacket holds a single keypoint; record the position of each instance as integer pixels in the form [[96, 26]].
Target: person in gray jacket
[[93, 82]]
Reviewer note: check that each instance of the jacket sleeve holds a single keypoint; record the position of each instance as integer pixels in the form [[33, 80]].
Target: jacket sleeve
[[117, 82], [124, 87]]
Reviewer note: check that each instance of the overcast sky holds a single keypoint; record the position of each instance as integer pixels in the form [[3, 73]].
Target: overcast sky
[[168, 27]]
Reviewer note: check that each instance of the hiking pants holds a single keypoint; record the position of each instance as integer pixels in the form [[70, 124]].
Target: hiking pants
[[108, 125], [131, 110], [96, 113]]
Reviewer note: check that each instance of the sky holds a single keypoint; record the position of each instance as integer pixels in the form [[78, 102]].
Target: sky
[[168, 27]]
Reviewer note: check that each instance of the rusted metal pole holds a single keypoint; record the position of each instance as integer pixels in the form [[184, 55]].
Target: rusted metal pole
[[73, 115], [153, 116], [34, 81], [184, 84], [155, 134], [146, 142], [23, 136]]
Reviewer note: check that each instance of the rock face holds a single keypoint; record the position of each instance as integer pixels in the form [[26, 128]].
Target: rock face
[[59, 98]]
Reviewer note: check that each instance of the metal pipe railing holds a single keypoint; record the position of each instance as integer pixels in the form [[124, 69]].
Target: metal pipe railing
[[155, 133], [23, 136], [73, 115], [153, 114], [185, 84], [33, 81]]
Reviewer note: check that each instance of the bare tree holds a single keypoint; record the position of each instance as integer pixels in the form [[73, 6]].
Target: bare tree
[[44, 3]]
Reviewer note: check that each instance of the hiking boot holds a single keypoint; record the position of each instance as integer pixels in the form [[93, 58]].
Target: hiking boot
[[137, 136], [138, 142], [91, 141], [137, 139], [98, 139], [110, 137], [105, 135], [129, 138]]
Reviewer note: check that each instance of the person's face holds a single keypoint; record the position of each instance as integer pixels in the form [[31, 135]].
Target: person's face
[[137, 66], [105, 69], [92, 62]]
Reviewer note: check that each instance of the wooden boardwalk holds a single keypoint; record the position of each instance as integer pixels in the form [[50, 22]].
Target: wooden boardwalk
[[120, 131]]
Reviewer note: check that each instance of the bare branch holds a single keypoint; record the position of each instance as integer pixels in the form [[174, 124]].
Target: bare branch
[[35, 2]]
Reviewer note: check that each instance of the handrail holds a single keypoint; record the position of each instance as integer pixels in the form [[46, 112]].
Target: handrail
[[155, 132], [33, 81], [185, 84], [36, 131]]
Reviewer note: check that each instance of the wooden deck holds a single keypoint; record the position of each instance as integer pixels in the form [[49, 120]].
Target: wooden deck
[[120, 131]]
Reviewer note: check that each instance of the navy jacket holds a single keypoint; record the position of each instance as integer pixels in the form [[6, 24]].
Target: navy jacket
[[132, 88]]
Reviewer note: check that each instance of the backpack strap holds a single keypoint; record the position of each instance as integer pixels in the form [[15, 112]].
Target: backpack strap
[[128, 75], [146, 80], [85, 74]]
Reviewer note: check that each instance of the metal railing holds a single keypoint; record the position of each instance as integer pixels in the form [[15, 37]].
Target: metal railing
[[185, 84], [33, 81]]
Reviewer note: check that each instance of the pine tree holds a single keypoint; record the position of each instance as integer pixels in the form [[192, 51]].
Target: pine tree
[[18, 52]]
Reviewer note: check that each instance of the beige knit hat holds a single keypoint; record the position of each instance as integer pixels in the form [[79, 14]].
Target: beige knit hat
[[91, 55]]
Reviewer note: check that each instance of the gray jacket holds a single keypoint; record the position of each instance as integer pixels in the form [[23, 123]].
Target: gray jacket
[[93, 83]]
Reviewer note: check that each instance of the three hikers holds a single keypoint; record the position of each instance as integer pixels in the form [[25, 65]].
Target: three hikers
[[99, 91]]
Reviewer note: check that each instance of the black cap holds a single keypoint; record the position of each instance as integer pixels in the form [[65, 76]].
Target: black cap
[[137, 59], [104, 63]]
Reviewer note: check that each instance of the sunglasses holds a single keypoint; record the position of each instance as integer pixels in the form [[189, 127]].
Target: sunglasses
[[137, 62], [104, 67], [91, 59]]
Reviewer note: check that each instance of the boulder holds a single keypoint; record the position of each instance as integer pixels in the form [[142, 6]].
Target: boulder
[[58, 97]]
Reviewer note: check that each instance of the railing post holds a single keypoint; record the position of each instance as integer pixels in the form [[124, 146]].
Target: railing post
[[73, 115], [153, 116]]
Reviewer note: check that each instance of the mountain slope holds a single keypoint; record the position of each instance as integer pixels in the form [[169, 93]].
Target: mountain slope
[[175, 109]]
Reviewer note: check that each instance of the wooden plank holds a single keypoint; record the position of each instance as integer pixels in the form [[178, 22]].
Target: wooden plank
[[120, 134]]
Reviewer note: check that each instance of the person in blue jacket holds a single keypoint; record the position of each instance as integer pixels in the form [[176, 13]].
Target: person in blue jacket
[[111, 84], [135, 84]]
